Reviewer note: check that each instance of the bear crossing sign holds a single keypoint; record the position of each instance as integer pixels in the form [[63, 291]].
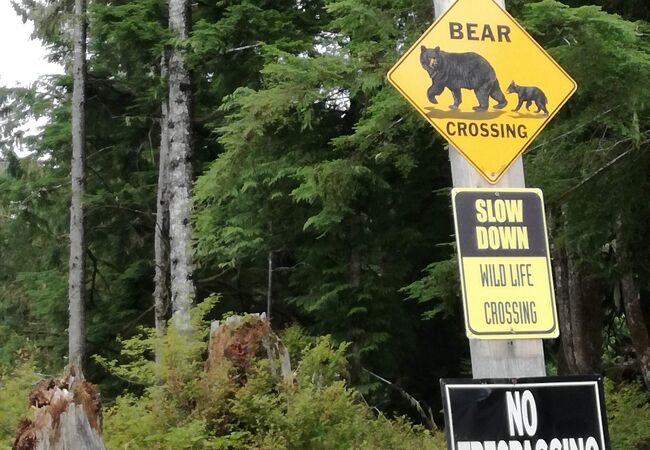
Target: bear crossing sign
[[483, 83]]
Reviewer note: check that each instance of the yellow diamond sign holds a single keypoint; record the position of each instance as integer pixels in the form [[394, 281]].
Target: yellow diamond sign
[[483, 83]]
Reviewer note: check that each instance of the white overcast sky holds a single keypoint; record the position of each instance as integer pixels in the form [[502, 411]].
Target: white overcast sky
[[22, 60]]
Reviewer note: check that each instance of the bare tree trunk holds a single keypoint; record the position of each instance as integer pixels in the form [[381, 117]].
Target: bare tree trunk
[[161, 239], [585, 296], [355, 263], [77, 264], [580, 312], [634, 316], [636, 323], [180, 168], [561, 272], [269, 285]]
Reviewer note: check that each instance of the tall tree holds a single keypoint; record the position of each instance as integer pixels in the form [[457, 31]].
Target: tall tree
[[325, 166], [590, 164], [180, 166], [77, 263], [636, 322], [161, 236]]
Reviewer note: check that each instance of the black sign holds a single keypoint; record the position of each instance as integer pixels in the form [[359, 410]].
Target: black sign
[[550, 413], [500, 222]]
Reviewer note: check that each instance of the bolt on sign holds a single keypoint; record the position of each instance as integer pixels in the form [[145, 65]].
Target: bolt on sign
[[483, 83], [550, 413], [505, 267]]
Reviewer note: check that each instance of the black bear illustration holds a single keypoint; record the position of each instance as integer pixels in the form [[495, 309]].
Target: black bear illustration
[[457, 71], [529, 95]]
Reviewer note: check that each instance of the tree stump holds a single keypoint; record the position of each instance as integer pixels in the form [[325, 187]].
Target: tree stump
[[67, 416], [240, 339]]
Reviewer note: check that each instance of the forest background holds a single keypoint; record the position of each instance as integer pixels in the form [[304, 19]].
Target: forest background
[[320, 192]]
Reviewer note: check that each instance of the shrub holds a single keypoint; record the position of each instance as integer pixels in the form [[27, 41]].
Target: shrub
[[628, 414], [191, 408], [15, 386]]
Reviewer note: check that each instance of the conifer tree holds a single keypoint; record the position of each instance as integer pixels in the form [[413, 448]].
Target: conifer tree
[[591, 163], [180, 166], [161, 233], [77, 265]]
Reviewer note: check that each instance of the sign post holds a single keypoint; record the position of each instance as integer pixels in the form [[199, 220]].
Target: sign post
[[474, 75], [496, 358], [464, 75]]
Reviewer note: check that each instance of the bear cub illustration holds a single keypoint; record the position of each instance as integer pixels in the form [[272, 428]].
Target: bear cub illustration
[[456, 71], [529, 94]]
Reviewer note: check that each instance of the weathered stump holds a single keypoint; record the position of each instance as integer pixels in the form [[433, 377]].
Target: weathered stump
[[67, 416], [241, 339]]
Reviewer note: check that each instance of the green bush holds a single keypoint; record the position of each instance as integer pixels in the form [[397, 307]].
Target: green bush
[[15, 386], [190, 407], [628, 414]]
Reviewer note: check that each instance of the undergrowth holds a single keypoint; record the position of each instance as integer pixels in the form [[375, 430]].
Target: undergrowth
[[185, 406], [628, 413]]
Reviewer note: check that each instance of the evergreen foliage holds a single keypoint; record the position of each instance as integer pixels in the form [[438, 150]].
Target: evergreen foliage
[[324, 167], [593, 163], [304, 156], [187, 407], [628, 415], [15, 386]]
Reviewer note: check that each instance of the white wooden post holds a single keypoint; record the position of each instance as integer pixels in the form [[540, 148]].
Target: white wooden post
[[495, 358]]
